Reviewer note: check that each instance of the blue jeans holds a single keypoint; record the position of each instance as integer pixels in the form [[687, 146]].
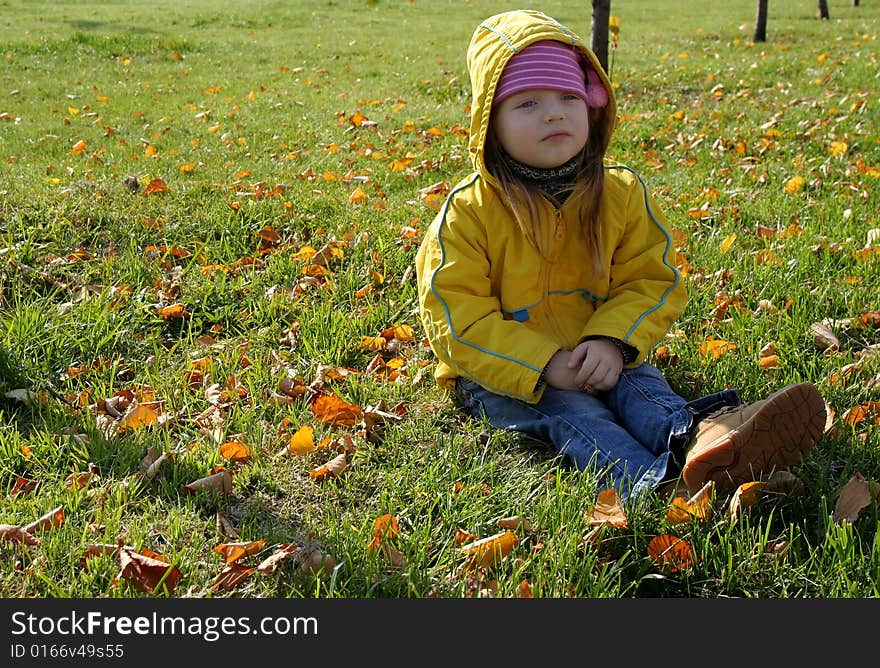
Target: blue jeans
[[633, 436]]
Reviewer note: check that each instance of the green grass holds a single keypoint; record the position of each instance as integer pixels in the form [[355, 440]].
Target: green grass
[[252, 99]]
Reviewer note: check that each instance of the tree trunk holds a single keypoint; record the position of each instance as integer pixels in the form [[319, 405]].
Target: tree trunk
[[761, 22], [855, 3], [823, 9], [599, 41]]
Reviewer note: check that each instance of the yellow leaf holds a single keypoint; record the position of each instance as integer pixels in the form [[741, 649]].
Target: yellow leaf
[[699, 506], [303, 441], [487, 552], [358, 196], [727, 243], [794, 185], [745, 496], [139, 417]]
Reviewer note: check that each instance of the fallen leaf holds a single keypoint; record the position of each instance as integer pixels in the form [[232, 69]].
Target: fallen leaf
[[155, 186], [698, 507], [318, 563], [270, 564], [823, 338], [235, 452], [12, 533], [232, 576], [220, 482], [853, 498], [331, 409], [232, 552], [487, 552], [51, 520], [146, 572], [670, 553], [524, 589], [745, 496], [385, 527], [302, 442], [332, 469], [608, 510], [513, 523]]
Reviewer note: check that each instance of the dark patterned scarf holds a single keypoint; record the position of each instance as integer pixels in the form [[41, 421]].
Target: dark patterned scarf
[[555, 182]]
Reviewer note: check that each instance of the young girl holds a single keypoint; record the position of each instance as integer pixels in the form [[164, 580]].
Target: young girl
[[548, 276]]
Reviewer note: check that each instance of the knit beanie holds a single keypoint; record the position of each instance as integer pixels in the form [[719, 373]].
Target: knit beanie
[[554, 66]]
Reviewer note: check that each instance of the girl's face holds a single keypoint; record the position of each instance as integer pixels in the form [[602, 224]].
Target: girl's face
[[542, 128]]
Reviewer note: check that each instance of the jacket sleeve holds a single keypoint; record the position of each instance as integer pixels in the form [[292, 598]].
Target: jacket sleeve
[[647, 293], [463, 318]]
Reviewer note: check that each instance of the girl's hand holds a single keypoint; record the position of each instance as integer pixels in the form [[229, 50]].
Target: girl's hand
[[597, 364]]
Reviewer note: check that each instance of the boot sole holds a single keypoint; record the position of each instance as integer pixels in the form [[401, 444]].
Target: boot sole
[[778, 435]]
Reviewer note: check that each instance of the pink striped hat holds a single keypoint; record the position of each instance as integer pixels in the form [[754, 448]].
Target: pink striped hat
[[552, 65]]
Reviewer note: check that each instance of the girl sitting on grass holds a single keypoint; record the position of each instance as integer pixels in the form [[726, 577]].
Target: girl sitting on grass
[[548, 276]]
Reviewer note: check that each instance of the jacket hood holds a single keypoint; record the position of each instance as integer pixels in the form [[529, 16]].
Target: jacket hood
[[494, 42]]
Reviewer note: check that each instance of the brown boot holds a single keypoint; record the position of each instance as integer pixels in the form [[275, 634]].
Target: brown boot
[[740, 444]]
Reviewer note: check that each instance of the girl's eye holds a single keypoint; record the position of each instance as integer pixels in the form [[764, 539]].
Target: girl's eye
[[569, 96], [526, 104]]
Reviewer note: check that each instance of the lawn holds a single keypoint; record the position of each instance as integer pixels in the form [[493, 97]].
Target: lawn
[[213, 379]]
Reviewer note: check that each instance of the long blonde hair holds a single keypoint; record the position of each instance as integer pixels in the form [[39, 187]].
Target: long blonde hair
[[588, 186]]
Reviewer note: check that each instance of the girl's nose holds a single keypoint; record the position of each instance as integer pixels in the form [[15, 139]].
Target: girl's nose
[[554, 112]]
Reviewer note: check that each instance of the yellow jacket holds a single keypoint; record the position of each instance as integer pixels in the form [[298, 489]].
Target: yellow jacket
[[493, 308]]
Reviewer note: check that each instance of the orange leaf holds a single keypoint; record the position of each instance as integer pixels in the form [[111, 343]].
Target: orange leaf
[[146, 572], [155, 186], [78, 147], [727, 243], [670, 554], [384, 528], [235, 451], [232, 552], [608, 510], [330, 409], [524, 590], [332, 469], [302, 442], [487, 552], [358, 196], [699, 506], [139, 417], [716, 347], [172, 311]]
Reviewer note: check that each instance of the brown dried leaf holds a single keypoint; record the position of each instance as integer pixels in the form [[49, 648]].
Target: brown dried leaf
[[232, 576], [12, 533], [51, 520], [854, 497], [270, 564], [332, 469], [608, 510], [513, 523], [824, 338], [220, 482], [147, 573]]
